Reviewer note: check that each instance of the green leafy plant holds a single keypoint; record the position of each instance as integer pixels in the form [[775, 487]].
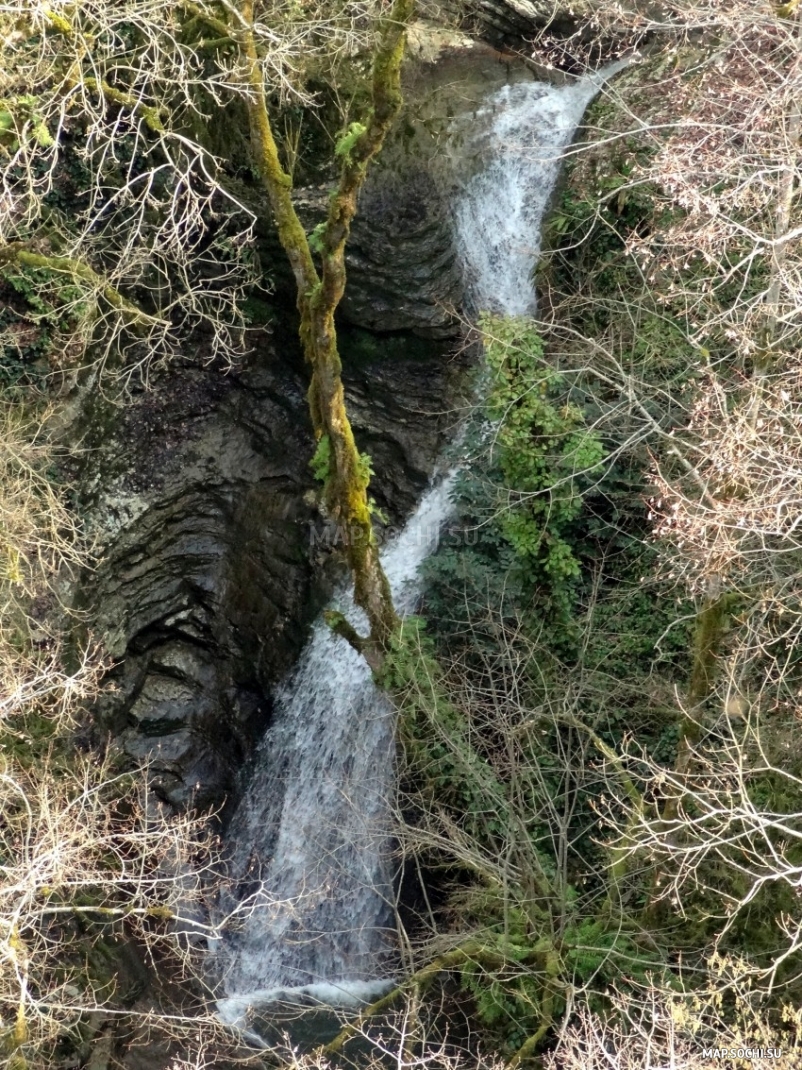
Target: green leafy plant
[[523, 528], [546, 455], [321, 459], [21, 118], [316, 238], [348, 140]]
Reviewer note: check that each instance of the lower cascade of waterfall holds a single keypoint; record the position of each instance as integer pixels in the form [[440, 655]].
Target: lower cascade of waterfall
[[310, 840], [310, 871]]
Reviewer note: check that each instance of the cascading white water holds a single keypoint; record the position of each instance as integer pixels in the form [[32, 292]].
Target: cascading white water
[[521, 133], [311, 835], [309, 872]]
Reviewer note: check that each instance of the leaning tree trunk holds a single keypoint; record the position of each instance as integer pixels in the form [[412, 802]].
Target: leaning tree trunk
[[319, 294]]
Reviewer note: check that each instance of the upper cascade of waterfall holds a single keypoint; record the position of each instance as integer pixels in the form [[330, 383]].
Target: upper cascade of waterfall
[[521, 134]]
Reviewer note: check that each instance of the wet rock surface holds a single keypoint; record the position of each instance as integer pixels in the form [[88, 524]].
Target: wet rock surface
[[214, 561], [402, 266], [216, 558], [401, 263]]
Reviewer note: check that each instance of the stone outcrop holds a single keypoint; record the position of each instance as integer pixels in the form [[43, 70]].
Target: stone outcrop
[[401, 262], [402, 266], [216, 558], [578, 33]]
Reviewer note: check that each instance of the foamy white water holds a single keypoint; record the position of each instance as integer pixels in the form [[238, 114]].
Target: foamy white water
[[309, 842], [521, 132], [310, 874]]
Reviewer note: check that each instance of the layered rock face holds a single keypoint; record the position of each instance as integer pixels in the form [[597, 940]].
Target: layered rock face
[[402, 266], [201, 588], [216, 557]]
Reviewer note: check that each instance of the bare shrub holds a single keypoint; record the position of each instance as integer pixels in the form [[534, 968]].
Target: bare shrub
[[650, 1028], [87, 855], [110, 199]]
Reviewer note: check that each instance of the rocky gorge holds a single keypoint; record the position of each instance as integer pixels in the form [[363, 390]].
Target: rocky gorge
[[399, 647], [215, 555]]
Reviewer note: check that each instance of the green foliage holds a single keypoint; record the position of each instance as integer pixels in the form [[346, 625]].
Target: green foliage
[[321, 469], [257, 311], [554, 540], [547, 509], [377, 512], [522, 503], [602, 204], [535, 935], [347, 141], [449, 769], [38, 311], [546, 454], [321, 460], [520, 979], [365, 472], [21, 119], [316, 238], [511, 1005]]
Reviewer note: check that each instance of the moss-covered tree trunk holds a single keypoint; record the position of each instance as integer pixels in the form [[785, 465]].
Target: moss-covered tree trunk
[[319, 294]]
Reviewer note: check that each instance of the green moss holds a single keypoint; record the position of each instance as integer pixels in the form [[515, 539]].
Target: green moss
[[258, 313]]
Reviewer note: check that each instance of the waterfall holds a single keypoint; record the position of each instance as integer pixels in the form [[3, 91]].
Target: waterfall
[[310, 875], [311, 835], [520, 133]]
